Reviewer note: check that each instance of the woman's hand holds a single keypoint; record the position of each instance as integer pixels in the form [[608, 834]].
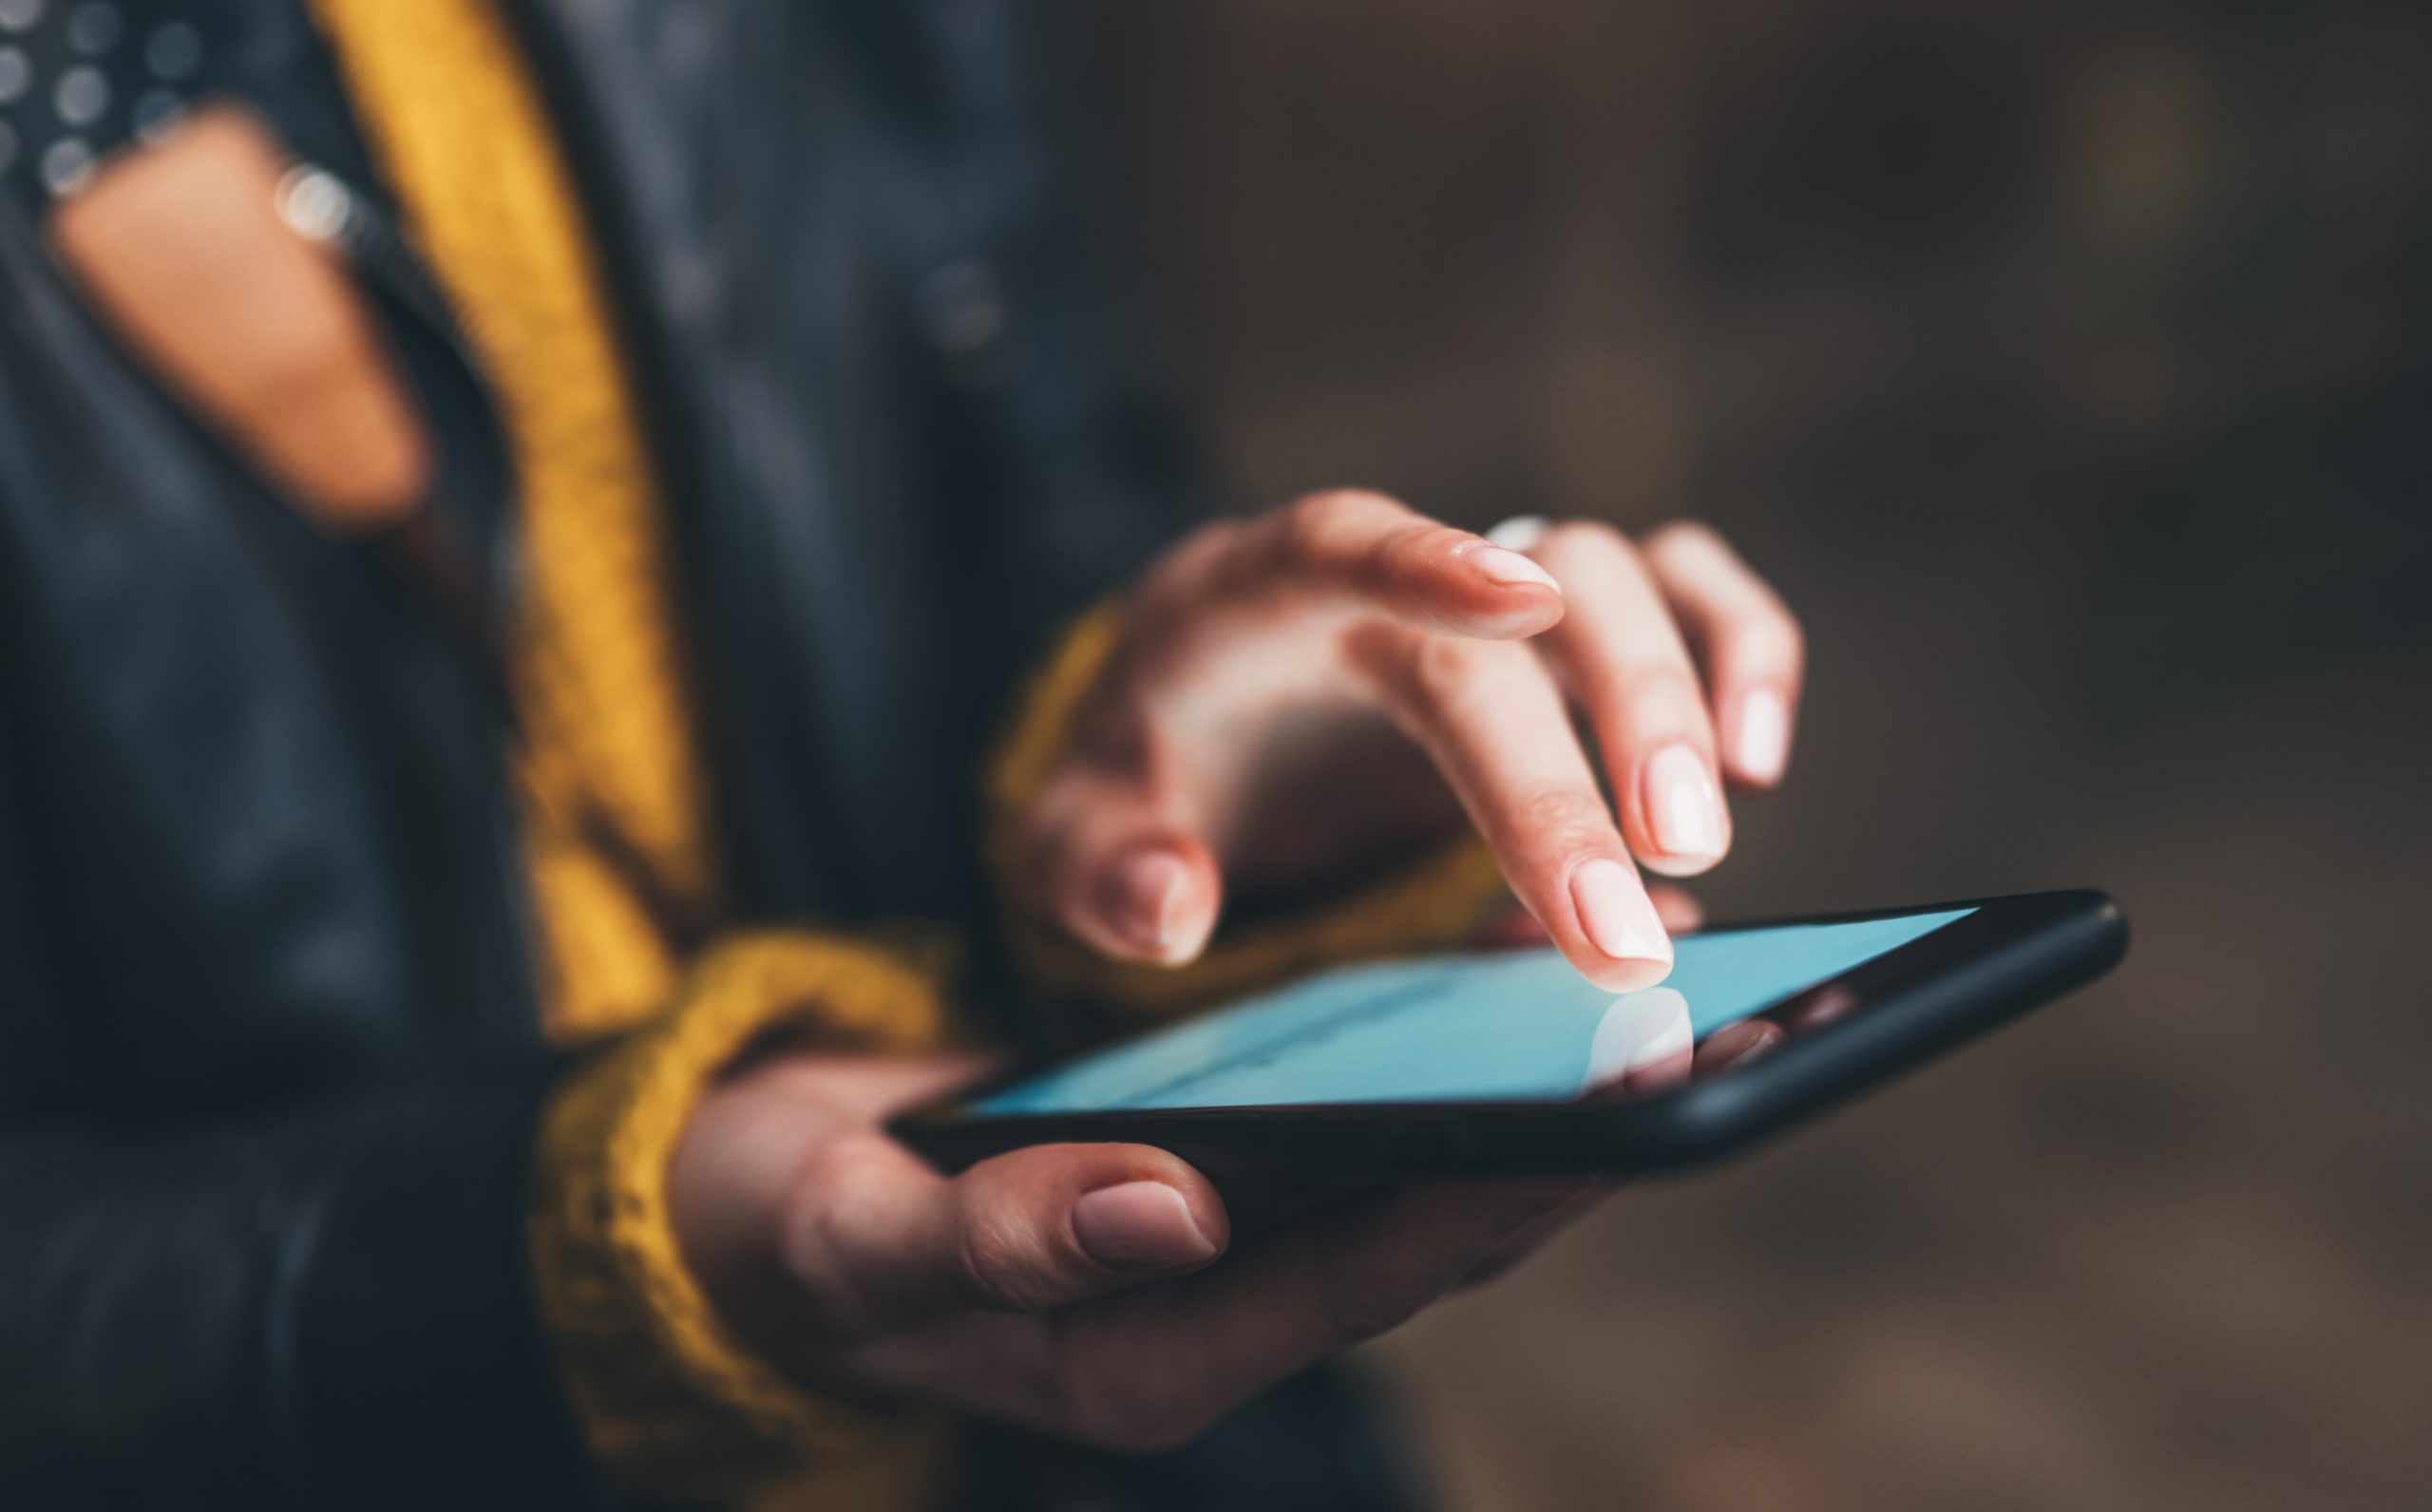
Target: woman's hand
[[1064, 1287], [1295, 698], [1304, 694]]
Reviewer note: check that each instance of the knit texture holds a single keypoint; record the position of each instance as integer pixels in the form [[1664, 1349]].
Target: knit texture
[[613, 807], [676, 1405], [613, 799], [612, 794]]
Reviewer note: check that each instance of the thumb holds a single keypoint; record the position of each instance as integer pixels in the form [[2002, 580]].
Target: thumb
[[1116, 868], [879, 1240]]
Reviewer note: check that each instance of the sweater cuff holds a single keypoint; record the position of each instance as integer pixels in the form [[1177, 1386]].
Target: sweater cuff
[[670, 1402], [1430, 904]]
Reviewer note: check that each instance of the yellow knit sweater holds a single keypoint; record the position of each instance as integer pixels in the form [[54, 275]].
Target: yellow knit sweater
[[614, 808]]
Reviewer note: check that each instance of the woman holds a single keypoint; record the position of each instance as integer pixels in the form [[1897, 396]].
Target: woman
[[520, 523]]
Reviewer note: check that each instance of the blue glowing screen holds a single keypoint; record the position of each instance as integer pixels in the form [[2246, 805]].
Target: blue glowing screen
[[1520, 1027]]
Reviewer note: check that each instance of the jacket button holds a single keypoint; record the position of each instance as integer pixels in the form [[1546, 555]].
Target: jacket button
[[960, 307]]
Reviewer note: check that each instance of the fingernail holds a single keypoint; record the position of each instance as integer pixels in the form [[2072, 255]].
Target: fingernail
[[1150, 892], [1683, 804], [1763, 748], [1140, 1226], [1508, 569], [1617, 916]]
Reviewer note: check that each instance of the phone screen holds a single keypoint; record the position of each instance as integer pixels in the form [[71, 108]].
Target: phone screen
[[1520, 1027]]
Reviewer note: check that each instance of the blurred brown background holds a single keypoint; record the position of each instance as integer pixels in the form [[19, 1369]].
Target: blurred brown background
[[2068, 365]]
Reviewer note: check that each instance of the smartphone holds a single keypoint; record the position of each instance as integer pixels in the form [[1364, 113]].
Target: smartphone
[[1512, 1064]]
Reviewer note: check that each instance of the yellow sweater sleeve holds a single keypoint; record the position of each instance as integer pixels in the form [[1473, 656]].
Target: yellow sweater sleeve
[[1432, 903], [673, 1405]]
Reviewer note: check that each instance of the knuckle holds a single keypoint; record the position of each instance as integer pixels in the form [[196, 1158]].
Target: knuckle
[[1215, 538], [998, 1260], [1574, 534], [1794, 634], [1306, 523], [1677, 537], [1580, 541], [1210, 535], [1446, 672], [1183, 572], [1650, 692], [1769, 640], [1560, 820], [1313, 526], [1329, 504], [843, 1308], [812, 1242], [1379, 657]]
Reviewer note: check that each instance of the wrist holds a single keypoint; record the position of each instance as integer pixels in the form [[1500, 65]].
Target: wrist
[[742, 1152], [676, 1403]]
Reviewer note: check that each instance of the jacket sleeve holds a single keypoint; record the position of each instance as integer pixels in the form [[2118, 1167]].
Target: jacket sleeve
[[329, 1308], [462, 1294]]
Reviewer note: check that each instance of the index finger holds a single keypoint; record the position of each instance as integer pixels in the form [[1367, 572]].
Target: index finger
[[1369, 555]]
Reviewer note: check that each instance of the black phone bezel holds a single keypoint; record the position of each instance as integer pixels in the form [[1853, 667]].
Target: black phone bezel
[[2009, 956]]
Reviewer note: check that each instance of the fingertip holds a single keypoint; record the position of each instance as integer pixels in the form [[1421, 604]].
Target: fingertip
[[1684, 824], [1759, 747], [1631, 975], [1143, 1227], [1148, 887], [1493, 593], [1506, 568], [1206, 1204], [1630, 948], [1157, 903], [1050, 1225], [1190, 916], [1091, 1169]]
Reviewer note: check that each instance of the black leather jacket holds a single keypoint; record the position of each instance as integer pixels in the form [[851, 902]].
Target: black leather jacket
[[268, 1062]]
